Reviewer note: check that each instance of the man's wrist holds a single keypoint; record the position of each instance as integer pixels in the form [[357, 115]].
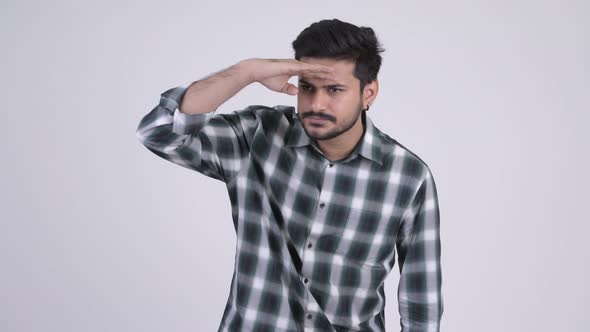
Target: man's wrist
[[246, 67]]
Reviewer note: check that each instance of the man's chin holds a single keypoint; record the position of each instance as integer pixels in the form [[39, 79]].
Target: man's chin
[[320, 136], [313, 135]]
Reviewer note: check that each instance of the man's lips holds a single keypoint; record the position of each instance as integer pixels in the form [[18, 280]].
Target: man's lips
[[314, 118]]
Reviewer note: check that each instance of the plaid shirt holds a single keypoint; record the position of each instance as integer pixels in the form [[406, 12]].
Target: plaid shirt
[[316, 238]]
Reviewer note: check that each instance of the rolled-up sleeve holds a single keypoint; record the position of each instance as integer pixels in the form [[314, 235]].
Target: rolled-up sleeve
[[419, 256], [213, 144]]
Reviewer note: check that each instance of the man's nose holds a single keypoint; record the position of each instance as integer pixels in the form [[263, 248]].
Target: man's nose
[[319, 100]]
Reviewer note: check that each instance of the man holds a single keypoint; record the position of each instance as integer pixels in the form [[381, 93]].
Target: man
[[322, 200]]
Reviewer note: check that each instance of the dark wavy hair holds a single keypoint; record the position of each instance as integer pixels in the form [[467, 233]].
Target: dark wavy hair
[[343, 41]]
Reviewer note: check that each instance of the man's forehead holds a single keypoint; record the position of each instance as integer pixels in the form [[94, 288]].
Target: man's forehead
[[343, 72]]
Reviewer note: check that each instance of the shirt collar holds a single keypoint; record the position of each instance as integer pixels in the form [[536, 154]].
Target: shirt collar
[[370, 145]]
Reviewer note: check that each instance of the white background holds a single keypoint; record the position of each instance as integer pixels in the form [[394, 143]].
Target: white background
[[99, 234]]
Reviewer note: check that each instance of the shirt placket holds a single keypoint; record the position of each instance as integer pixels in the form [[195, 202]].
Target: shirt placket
[[311, 305]]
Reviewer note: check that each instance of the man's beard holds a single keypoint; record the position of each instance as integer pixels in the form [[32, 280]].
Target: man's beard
[[336, 131]]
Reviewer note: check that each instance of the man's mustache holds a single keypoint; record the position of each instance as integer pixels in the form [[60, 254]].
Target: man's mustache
[[319, 115]]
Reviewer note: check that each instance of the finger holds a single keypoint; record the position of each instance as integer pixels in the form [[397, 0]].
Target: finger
[[317, 71], [320, 76], [291, 90], [318, 68], [300, 66]]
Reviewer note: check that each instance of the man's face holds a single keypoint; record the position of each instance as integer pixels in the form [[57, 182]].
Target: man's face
[[326, 108]]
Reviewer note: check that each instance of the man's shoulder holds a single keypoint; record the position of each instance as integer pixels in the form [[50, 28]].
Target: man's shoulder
[[268, 116], [395, 150], [266, 112], [257, 114]]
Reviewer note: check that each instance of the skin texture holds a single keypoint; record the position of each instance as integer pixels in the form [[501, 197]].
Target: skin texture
[[339, 106]]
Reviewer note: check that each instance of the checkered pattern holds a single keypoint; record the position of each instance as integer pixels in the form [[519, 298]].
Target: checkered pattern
[[316, 238]]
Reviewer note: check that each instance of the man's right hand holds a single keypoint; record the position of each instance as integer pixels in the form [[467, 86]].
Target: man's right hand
[[275, 73], [205, 95]]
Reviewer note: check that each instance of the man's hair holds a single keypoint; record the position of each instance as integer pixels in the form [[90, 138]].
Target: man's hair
[[342, 41]]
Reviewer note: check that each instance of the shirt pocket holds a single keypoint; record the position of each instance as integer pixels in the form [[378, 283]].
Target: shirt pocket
[[363, 241]]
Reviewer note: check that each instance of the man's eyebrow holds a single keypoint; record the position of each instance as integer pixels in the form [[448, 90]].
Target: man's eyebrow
[[337, 85]]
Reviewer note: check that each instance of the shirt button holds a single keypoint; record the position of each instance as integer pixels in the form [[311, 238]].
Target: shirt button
[[322, 205], [305, 280], [331, 165], [309, 245], [308, 316]]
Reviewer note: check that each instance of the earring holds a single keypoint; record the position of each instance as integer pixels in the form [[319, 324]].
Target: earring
[[366, 109]]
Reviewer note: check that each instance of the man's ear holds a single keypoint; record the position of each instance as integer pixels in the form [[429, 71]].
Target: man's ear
[[370, 92]]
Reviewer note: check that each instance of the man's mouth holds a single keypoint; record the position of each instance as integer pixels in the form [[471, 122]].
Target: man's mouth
[[315, 118]]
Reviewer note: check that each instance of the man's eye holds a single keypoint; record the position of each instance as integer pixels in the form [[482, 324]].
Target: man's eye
[[335, 89], [305, 87]]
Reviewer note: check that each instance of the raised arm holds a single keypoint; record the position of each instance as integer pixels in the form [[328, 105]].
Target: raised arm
[[419, 256], [184, 129]]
